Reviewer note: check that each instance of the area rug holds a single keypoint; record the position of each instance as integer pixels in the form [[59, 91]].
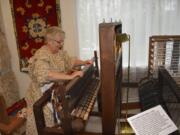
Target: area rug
[[31, 18]]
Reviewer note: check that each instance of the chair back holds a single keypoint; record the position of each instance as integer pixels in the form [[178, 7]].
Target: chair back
[[3, 114]]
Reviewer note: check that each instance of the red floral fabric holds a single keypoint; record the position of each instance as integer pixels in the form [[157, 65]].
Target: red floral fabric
[[31, 18]]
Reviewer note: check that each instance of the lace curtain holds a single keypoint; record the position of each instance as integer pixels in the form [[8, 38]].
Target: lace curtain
[[140, 19]]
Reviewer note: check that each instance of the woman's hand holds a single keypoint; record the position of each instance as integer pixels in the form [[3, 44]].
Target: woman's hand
[[77, 73], [64, 76], [82, 62], [88, 62]]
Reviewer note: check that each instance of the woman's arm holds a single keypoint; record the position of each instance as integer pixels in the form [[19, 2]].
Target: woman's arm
[[79, 62], [52, 75]]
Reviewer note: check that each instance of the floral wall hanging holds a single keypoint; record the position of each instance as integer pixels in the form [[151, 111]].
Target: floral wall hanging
[[31, 18]]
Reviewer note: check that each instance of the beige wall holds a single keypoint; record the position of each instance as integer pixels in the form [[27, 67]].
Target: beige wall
[[1, 21], [68, 24]]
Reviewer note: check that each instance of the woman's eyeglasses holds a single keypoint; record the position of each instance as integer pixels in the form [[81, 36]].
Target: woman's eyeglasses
[[59, 42]]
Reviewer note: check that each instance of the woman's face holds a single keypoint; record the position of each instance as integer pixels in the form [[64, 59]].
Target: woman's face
[[56, 43]]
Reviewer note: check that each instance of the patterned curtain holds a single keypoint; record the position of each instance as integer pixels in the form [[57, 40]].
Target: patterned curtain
[[8, 83]]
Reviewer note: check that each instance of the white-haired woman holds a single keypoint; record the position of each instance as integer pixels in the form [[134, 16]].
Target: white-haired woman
[[48, 64]]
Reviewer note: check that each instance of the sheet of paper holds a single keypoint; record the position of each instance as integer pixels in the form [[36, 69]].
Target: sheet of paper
[[154, 121]]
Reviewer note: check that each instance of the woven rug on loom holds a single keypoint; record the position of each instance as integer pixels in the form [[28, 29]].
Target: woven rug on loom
[[31, 18]]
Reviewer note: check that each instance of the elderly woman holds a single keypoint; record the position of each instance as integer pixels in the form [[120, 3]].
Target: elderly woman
[[49, 63]]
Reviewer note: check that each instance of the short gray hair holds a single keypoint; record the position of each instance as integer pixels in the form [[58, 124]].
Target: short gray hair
[[52, 31]]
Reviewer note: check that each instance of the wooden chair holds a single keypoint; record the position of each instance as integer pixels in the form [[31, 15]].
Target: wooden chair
[[8, 124]]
